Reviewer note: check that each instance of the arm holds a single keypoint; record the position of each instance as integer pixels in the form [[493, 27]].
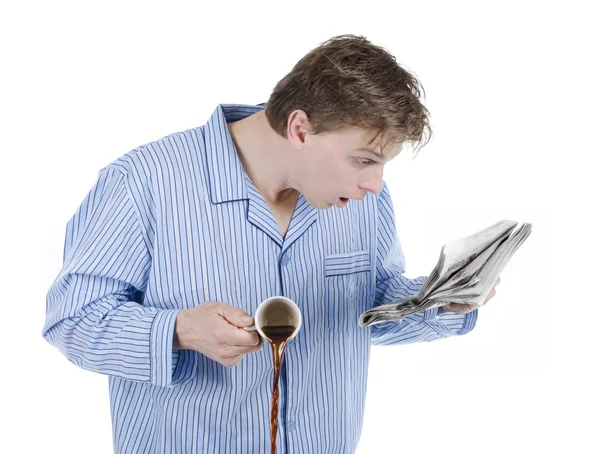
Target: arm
[[393, 286], [94, 314]]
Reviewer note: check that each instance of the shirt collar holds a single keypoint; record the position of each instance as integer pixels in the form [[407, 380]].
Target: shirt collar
[[227, 177]]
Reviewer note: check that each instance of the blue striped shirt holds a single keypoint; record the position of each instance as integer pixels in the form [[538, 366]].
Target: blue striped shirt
[[177, 222]]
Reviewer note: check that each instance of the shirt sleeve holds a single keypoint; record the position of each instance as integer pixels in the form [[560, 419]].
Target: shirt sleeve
[[392, 285], [94, 309]]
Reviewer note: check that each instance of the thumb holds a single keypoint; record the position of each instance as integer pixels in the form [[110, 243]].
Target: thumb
[[236, 316]]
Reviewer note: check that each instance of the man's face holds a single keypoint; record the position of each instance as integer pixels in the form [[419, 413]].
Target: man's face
[[337, 166]]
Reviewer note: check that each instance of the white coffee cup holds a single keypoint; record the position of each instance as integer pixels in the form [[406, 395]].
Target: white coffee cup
[[276, 311]]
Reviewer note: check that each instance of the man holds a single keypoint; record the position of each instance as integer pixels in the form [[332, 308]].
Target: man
[[181, 239]]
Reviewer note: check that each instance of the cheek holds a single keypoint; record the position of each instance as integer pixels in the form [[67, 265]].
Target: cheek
[[337, 182]]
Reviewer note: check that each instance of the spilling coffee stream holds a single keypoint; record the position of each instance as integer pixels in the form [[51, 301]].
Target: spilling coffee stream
[[278, 337]]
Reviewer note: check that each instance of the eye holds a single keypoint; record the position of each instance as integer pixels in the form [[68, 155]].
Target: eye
[[364, 162]]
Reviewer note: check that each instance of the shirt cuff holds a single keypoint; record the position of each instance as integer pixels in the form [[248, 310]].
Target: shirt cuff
[[163, 359]]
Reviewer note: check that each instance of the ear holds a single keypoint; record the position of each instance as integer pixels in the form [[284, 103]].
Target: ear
[[298, 128]]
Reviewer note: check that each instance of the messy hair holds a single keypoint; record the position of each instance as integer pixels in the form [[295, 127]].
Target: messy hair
[[349, 82]]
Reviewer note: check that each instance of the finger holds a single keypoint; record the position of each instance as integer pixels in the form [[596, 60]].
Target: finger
[[490, 295], [238, 351], [259, 345], [234, 350], [232, 361], [460, 308], [243, 338], [232, 336], [235, 315], [453, 307]]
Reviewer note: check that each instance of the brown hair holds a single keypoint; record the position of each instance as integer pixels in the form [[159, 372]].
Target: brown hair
[[349, 82]]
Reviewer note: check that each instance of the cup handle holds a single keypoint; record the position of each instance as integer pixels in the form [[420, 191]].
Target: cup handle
[[250, 328]]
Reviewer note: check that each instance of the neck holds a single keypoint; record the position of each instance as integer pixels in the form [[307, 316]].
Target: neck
[[265, 155]]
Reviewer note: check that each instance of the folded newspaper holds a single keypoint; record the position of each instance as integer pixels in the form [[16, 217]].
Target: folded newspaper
[[465, 273]]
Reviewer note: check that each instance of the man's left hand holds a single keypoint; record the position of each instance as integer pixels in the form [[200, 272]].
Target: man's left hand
[[466, 308]]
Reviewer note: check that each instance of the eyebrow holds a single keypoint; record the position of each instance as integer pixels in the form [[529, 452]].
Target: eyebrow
[[372, 152]]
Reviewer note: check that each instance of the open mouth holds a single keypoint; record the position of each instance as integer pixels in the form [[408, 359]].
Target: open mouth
[[342, 202]]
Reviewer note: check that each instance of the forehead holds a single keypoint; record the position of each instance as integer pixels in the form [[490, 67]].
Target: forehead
[[371, 142]]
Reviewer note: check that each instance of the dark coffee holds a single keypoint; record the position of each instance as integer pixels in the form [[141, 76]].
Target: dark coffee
[[278, 336]]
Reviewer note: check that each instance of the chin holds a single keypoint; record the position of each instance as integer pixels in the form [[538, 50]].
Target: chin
[[319, 205]]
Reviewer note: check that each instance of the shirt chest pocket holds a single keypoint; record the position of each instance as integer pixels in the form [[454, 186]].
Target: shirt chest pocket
[[347, 289]]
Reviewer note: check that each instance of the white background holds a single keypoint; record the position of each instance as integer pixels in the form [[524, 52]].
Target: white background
[[511, 87]]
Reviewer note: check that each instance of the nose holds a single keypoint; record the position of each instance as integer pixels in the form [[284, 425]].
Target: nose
[[374, 182]]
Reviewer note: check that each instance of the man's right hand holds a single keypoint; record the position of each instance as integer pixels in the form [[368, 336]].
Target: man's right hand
[[215, 329]]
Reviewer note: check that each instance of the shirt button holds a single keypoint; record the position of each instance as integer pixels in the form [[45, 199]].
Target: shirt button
[[291, 426], [285, 260]]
